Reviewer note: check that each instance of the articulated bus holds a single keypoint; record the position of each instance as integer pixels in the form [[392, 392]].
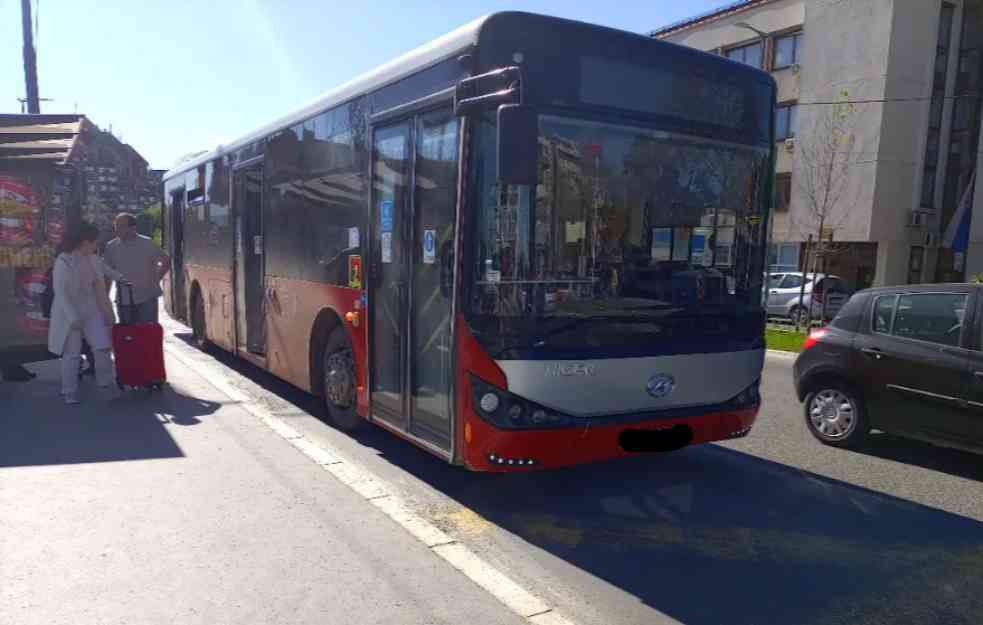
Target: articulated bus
[[530, 243]]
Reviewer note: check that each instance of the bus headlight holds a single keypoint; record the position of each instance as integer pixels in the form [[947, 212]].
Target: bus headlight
[[489, 402], [511, 412]]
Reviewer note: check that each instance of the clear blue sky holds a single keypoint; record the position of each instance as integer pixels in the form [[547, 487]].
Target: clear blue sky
[[175, 76]]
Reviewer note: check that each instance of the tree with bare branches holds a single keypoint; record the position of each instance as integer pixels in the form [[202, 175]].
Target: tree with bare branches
[[826, 156]]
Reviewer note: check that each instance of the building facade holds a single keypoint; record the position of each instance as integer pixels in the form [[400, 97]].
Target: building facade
[[878, 124]]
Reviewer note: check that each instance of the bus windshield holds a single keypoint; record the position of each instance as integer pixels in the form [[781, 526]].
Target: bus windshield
[[628, 226]]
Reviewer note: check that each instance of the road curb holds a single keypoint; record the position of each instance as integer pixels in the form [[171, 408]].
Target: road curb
[[782, 354]]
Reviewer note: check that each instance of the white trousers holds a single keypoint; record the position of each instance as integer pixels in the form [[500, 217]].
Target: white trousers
[[96, 334]]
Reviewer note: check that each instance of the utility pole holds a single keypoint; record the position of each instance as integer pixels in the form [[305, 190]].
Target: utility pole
[[30, 60]]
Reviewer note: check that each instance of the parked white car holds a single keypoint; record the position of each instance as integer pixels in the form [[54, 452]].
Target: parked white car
[[784, 288]]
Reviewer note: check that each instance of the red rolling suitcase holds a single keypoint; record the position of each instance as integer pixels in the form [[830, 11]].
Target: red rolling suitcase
[[139, 349]]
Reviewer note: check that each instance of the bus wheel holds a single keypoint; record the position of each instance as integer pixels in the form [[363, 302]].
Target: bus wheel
[[339, 382], [199, 332]]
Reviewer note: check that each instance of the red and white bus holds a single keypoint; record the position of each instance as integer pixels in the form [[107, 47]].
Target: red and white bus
[[530, 243]]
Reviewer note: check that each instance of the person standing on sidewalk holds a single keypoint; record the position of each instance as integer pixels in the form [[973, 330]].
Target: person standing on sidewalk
[[81, 309], [141, 263]]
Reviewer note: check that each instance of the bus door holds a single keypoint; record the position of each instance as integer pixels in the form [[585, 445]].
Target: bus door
[[414, 198], [250, 266], [178, 293]]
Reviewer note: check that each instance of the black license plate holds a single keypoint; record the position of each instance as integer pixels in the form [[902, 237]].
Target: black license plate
[[668, 439]]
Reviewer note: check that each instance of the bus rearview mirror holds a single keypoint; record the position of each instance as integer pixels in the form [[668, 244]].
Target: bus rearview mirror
[[518, 144]]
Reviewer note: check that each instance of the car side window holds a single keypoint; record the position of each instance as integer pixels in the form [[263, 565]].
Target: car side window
[[883, 313], [792, 281], [932, 317], [775, 280]]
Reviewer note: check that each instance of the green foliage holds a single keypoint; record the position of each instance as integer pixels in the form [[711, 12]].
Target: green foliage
[[784, 340], [153, 215]]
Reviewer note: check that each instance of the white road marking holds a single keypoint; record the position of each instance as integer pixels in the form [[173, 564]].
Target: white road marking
[[312, 451], [518, 599], [379, 494]]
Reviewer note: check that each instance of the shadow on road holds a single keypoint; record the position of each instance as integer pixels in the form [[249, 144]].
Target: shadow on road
[[908, 451], [710, 535], [39, 429]]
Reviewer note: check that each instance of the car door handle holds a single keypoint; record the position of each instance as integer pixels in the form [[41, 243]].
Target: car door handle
[[873, 351]]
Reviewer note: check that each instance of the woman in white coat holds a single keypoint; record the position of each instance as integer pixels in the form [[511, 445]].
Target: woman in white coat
[[81, 308]]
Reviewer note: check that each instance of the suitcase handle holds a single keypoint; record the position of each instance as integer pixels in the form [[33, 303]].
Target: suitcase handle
[[131, 308]]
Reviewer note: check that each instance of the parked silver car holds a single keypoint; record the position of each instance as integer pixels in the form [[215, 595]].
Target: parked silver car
[[784, 288]]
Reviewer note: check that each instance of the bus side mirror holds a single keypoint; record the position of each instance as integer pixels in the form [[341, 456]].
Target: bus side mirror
[[518, 144]]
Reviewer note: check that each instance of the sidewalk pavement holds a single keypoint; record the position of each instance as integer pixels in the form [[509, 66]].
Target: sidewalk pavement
[[181, 507]]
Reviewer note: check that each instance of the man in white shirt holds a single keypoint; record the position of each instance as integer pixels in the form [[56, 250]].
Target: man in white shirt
[[141, 263]]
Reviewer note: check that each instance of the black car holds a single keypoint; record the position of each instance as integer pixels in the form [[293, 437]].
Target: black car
[[906, 360]]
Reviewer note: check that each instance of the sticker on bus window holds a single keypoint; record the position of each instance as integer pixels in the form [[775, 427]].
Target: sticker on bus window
[[355, 271], [387, 247], [429, 246], [386, 215], [353, 237]]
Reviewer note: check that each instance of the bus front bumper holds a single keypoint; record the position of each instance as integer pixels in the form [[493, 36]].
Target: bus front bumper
[[487, 448]]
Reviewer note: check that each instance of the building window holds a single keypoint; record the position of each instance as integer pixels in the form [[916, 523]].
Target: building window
[[783, 192], [783, 257], [915, 258], [786, 121], [787, 50], [750, 54]]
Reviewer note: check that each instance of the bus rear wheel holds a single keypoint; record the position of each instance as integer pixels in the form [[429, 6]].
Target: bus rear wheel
[[338, 382]]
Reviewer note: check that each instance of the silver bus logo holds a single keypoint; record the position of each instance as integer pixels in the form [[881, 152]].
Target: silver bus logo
[[660, 385], [555, 370]]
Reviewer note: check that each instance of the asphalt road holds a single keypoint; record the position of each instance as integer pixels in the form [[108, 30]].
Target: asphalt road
[[773, 528]]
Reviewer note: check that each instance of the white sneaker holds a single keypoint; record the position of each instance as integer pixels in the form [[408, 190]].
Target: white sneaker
[[71, 398]]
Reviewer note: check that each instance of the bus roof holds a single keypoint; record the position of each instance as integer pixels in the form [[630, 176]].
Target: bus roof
[[420, 58], [440, 49]]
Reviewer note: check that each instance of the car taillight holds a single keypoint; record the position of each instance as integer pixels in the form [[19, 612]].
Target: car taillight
[[813, 338]]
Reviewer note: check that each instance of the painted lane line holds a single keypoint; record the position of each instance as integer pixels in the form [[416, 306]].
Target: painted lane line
[[549, 618], [518, 599], [375, 491], [314, 452], [281, 428], [358, 479], [425, 532]]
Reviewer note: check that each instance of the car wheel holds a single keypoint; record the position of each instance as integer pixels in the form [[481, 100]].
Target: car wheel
[[338, 382], [834, 414]]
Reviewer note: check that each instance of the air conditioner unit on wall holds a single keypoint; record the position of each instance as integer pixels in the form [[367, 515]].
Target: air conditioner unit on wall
[[790, 144]]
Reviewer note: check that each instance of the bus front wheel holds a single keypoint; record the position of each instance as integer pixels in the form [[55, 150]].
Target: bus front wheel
[[338, 382]]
